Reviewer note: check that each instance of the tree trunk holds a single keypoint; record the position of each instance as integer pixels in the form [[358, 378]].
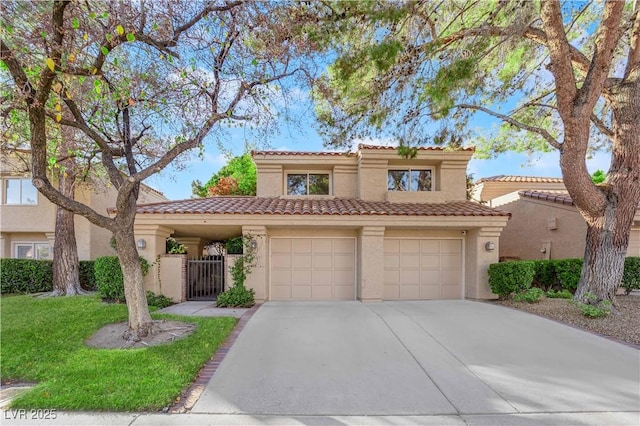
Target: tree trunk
[[66, 268], [608, 234], [140, 323]]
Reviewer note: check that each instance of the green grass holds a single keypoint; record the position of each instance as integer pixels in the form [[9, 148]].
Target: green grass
[[43, 341]]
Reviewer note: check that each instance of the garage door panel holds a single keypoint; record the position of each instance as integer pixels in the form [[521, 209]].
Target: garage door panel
[[317, 268], [430, 246], [410, 292], [422, 268], [410, 261], [409, 246], [301, 277]]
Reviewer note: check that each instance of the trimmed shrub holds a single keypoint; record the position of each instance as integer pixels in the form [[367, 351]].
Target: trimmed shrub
[[109, 278], [594, 308], [237, 296], [631, 274], [25, 276], [568, 272], [533, 295], [545, 277], [158, 300], [511, 277], [87, 275]]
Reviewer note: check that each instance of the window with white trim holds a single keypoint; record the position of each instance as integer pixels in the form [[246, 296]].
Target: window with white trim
[[410, 180], [40, 251], [308, 184], [19, 191]]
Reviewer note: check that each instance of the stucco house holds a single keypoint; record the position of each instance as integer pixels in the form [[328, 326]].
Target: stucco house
[[545, 223], [368, 225], [28, 218]]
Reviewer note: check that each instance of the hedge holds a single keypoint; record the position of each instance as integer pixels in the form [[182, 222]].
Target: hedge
[[25, 276], [36, 276], [109, 278], [511, 277], [631, 274]]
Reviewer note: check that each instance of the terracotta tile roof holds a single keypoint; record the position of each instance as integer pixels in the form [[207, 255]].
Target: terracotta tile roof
[[308, 153], [420, 148], [333, 207], [525, 179], [554, 197]]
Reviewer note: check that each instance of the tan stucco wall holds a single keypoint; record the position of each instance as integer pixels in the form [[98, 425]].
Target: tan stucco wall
[[487, 191], [172, 275], [528, 233], [634, 243], [477, 261]]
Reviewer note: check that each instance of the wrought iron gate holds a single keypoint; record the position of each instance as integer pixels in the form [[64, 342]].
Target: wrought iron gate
[[205, 278]]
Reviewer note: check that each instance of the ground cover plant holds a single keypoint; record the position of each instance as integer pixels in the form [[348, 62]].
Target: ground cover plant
[[43, 342]]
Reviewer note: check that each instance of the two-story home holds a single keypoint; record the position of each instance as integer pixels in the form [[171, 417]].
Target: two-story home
[[28, 218], [545, 223], [368, 225]]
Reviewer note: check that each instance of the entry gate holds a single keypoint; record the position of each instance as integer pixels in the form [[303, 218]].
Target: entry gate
[[205, 278]]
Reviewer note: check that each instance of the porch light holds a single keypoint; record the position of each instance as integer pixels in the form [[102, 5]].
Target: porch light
[[490, 246], [141, 244], [253, 244]]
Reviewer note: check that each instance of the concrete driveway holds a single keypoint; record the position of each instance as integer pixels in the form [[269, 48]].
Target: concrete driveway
[[420, 358]]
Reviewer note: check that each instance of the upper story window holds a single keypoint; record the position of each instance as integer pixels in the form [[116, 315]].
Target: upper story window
[[19, 191], [307, 183], [410, 180]]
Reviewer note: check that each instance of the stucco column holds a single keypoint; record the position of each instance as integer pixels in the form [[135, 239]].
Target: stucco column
[[257, 278], [371, 264], [194, 246], [481, 250], [155, 242], [5, 246]]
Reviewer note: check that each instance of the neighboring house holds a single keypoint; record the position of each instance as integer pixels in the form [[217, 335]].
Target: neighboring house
[[369, 225], [545, 223], [28, 218]]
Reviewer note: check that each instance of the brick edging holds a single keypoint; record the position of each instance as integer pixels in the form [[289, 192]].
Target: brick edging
[[191, 395]]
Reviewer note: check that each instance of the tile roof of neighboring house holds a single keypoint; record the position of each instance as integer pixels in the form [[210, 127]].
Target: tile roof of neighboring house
[[297, 206], [554, 197], [286, 153], [420, 148], [347, 153], [525, 179]]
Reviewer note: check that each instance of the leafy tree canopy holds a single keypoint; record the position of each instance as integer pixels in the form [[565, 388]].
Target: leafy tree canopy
[[242, 171]]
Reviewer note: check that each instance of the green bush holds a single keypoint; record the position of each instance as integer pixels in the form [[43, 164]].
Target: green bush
[[158, 300], [545, 277], [237, 296], [235, 245], [109, 278], [174, 247], [631, 274], [25, 276], [563, 294], [87, 275], [568, 272], [532, 295], [506, 278]]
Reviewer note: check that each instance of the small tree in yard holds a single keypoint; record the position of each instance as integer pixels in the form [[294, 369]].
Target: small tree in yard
[[571, 68], [142, 83]]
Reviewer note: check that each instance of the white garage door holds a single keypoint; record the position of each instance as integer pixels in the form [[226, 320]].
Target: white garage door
[[422, 269], [313, 268]]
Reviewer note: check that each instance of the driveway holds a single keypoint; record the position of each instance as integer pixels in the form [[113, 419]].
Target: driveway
[[419, 358]]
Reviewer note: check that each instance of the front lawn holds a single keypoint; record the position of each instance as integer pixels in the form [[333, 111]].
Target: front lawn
[[43, 341]]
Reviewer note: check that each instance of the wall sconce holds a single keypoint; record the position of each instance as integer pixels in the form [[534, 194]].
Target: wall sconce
[[253, 244], [141, 244], [490, 246]]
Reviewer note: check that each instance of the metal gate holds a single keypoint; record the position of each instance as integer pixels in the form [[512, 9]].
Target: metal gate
[[205, 278]]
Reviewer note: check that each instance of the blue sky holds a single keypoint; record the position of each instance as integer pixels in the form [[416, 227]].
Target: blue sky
[[176, 184]]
